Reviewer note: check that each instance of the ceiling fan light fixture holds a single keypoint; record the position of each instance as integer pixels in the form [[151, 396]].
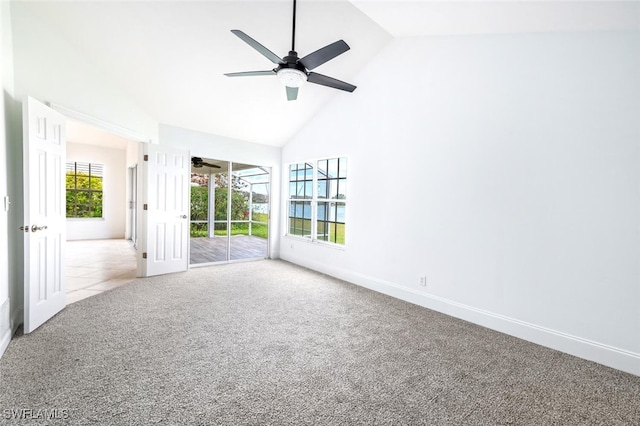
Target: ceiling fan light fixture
[[292, 77]]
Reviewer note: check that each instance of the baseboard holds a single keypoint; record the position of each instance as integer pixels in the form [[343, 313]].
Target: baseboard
[[5, 326], [583, 348]]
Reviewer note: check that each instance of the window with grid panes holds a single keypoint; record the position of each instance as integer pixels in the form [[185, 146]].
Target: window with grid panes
[[84, 189], [331, 200], [300, 197], [318, 199]]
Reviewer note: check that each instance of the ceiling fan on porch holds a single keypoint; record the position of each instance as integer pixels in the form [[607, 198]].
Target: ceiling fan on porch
[[293, 71], [198, 162]]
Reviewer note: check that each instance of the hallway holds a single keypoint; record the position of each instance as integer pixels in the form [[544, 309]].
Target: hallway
[[94, 266]]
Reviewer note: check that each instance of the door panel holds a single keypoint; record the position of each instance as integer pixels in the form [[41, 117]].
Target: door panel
[[209, 232], [249, 212], [44, 213], [168, 208]]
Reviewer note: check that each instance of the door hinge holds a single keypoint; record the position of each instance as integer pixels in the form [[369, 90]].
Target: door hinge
[[144, 255], [146, 157], [144, 207]]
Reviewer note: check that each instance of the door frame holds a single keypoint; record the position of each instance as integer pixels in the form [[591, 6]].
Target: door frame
[[132, 211], [126, 134]]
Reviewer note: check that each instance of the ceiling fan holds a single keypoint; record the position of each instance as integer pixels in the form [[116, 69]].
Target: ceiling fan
[[293, 71], [199, 162]]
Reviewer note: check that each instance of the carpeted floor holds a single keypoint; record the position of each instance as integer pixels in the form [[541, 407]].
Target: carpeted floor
[[271, 343]]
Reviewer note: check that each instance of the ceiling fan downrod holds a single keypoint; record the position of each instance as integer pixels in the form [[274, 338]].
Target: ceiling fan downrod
[[293, 31]]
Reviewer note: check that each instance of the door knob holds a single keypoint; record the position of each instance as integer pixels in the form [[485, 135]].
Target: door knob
[[184, 216], [35, 228]]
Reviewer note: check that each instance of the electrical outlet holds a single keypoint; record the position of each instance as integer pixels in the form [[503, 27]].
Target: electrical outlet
[[423, 280]]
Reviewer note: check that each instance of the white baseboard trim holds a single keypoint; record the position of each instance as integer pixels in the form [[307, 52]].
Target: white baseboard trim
[[583, 348], [4, 341], [5, 326]]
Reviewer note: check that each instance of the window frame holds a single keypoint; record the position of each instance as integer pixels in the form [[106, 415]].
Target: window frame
[[300, 182], [315, 200]]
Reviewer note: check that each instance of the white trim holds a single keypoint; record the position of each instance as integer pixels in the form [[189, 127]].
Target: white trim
[[4, 341], [306, 240], [5, 326], [104, 125], [584, 348]]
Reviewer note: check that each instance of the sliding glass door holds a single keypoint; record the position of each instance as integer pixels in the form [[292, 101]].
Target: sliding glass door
[[250, 212], [229, 211]]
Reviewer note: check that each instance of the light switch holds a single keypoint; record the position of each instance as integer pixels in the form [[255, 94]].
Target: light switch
[[6, 203]]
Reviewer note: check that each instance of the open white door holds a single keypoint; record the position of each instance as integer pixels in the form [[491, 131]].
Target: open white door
[[44, 213], [167, 209]]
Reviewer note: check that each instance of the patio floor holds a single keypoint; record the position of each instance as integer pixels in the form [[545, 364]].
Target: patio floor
[[207, 250]]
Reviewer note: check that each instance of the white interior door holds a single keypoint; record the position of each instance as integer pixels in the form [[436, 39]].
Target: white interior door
[[167, 209], [44, 213]]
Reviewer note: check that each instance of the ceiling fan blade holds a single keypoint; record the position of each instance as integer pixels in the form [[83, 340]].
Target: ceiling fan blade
[[325, 54], [213, 166], [330, 82], [260, 48], [250, 73], [292, 93]]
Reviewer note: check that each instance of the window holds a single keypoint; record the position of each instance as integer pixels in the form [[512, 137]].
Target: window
[[332, 186], [84, 189], [318, 200], [300, 196]]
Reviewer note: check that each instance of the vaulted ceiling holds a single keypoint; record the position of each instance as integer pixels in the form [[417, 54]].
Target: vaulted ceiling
[[170, 56]]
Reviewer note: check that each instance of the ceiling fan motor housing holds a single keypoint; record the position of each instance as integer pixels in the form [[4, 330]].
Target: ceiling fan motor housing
[[291, 72]]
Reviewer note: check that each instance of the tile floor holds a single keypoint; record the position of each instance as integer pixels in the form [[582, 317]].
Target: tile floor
[[94, 266]]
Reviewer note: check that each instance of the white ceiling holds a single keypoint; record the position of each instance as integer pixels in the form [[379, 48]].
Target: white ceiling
[[447, 17], [170, 56]]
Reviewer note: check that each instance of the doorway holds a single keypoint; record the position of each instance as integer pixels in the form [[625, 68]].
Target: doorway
[[101, 222], [230, 205]]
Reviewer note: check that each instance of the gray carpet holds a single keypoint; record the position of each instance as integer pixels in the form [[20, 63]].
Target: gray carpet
[[271, 343]]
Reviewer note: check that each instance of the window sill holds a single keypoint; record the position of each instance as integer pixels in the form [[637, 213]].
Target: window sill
[[316, 242]]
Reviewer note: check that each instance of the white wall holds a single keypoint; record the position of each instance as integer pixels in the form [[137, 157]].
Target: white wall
[[506, 170], [114, 203], [13, 133], [5, 317], [221, 148]]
